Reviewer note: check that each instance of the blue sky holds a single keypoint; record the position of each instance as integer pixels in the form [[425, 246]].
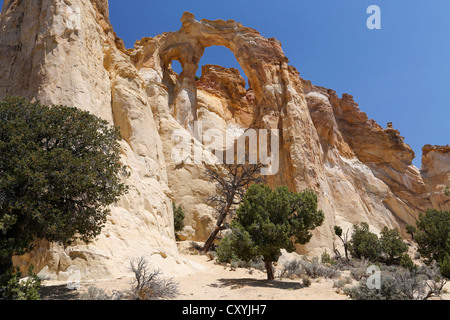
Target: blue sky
[[398, 74]]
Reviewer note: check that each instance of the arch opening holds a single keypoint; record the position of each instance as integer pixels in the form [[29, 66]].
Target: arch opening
[[221, 56], [176, 66]]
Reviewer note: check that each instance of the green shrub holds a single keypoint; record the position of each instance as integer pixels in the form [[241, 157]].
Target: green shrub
[[270, 220], [326, 258], [16, 288], [364, 244], [407, 263], [411, 230], [60, 170], [444, 265], [433, 235], [392, 246], [178, 217]]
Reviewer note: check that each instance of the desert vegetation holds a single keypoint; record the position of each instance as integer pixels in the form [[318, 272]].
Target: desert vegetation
[[231, 186], [269, 220], [178, 218], [60, 169], [148, 284], [400, 278]]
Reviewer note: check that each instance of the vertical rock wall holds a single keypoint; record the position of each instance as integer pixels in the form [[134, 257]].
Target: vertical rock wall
[[65, 52]]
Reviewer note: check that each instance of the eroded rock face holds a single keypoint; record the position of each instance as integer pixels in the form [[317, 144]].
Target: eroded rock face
[[68, 54], [436, 174], [62, 52], [360, 171]]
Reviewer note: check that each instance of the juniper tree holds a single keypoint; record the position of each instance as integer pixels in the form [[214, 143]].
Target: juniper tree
[[59, 171], [411, 230], [178, 217], [230, 189], [364, 244], [433, 238], [270, 220], [433, 234], [392, 246]]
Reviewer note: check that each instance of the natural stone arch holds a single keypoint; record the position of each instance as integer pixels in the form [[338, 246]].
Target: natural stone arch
[[262, 60], [278, 101]]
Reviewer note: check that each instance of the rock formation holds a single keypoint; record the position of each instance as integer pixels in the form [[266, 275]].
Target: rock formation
[[436, 174], [65, 52], [62, 52]]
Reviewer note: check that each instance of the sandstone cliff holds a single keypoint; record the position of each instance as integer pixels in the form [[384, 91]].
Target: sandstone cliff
[[67, 53]]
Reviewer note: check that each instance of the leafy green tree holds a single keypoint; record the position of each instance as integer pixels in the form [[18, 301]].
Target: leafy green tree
[[407, 263], [364, 244], [59, 171], [269, 220], [16, 289], [230, 189], [178, 216], [326, 258], [444, 265], [392, 245], [433, 237], [410, 229], [433, 234]]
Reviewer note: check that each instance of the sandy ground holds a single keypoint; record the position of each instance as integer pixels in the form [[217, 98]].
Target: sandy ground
[[222, 283], [217, 282]]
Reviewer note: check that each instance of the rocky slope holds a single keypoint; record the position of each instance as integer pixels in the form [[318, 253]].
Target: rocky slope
[[65, 52]]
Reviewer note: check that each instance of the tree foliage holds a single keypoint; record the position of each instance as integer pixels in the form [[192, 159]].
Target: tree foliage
[[364, 244], [411, 230], [433, 234], [433, 238], [389, 248], [59, 171], [269, 220], [13, 288], [392, 246], [178, 216], [230, 189]]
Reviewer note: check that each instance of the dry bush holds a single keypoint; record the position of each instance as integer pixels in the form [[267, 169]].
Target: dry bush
[[313, 269], [149, 285], [94, 293], [398, 283]]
